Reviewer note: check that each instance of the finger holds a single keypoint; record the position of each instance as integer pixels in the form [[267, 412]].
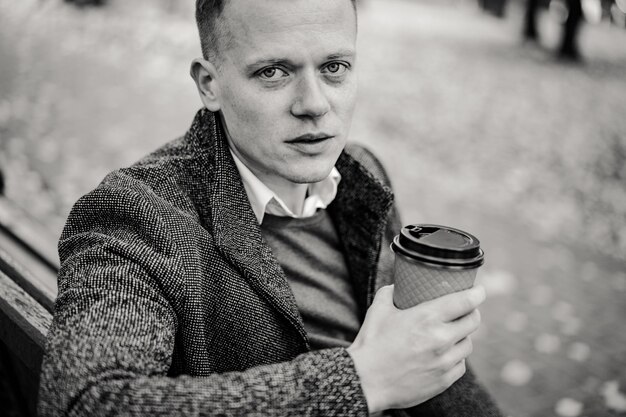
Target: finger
[[457, 353], [465, 326], [450, 307], [455, 373]]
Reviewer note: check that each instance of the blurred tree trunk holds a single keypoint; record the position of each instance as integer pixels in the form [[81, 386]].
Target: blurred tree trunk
[[569, 44], [530, 20]]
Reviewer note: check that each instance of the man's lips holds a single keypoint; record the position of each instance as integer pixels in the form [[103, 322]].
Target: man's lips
[[311, 138]]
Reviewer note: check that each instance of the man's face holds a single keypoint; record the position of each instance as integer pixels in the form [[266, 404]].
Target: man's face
[[286, 85]]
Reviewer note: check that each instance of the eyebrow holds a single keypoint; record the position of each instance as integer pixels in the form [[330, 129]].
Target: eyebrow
[[261, 62], [346, 53]]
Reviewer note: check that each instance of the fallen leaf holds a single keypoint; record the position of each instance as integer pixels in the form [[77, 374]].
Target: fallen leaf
[[516, 321], [568, 407], [614, 399], [516, 373], [547, 343]]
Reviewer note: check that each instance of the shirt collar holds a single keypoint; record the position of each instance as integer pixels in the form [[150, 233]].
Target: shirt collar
[[264, 200]]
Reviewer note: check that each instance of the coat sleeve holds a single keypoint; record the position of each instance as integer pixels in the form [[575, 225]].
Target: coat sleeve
[[111, 342], [465, 398]]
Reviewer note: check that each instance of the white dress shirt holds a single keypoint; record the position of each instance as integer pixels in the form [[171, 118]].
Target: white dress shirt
[[263, 200]]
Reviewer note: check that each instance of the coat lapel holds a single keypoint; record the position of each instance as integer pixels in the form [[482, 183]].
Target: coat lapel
[[230, 219], [360, 212]]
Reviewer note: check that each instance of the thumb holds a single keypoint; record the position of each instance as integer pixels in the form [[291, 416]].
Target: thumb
[[384, 295]]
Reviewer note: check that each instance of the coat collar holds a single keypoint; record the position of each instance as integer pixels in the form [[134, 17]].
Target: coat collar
[[359, 211]]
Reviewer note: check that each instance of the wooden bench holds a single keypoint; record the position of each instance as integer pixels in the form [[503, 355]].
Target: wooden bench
[[28, 269]]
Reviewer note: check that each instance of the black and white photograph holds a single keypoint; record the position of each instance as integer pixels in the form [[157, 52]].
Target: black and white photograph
[[290, 208]]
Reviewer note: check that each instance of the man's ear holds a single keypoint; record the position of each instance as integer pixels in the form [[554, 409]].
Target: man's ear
[[204, 74]]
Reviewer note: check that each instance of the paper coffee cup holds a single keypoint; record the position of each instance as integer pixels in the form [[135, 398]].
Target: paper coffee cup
[[432, 261]]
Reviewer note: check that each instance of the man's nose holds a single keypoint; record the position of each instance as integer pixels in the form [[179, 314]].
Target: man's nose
[[311, 100]]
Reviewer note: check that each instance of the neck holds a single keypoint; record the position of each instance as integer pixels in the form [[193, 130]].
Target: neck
[[291, 193]]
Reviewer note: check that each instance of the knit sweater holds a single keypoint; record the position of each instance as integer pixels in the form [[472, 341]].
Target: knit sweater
[[309, 251]]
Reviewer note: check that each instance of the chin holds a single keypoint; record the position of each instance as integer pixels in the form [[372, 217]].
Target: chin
[[308, 179], [310, 176], [313, 170]]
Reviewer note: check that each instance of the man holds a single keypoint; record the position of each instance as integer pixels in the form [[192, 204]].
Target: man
[[230, 272]]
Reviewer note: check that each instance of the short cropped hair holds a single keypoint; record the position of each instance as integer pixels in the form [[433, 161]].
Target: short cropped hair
[[207, 14]]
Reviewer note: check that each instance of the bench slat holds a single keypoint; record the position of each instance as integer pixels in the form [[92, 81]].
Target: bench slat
[[36, 278], [36, 237], [28, 254], [24, 323]]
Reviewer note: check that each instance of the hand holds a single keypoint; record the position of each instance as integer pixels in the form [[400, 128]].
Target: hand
[[406, 357]]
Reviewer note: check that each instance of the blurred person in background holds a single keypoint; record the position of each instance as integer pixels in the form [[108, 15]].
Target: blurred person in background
[[531, 32], [244, 269], [568, 48], [569, 41]]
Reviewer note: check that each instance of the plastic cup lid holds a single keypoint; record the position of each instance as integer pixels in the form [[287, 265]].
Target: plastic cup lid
[[439, 245]]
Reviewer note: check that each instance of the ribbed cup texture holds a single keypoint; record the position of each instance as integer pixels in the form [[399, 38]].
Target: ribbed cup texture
[[416, 283]]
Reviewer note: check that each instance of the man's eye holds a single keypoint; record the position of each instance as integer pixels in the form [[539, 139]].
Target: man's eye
[[272, 73], [336, 68]]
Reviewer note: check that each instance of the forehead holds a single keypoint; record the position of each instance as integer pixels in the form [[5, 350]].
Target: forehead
[[288, 27]]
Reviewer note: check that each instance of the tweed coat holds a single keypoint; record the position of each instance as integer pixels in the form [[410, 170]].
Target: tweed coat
[[171, 303]]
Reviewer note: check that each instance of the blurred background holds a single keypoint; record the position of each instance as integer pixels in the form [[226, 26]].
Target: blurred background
[[505, 119]]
